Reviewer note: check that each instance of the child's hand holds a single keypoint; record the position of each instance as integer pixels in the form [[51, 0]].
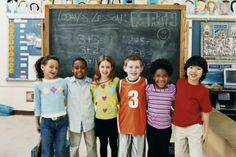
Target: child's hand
[[203, 138], [38, 128], [37, 120]]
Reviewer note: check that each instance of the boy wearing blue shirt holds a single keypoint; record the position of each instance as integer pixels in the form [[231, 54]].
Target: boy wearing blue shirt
[[80, 109]]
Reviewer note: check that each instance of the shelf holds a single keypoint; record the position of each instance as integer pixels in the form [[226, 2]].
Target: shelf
[[25, 16], [225, 109], [212, 17]]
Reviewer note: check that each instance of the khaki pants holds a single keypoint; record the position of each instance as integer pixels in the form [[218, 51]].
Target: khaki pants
[[131, 145], [90, 141], [188, 141]]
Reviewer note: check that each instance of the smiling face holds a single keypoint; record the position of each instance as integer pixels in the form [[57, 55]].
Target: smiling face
[[50, 69], [161, 78], [133, 69], [194, 73], [105, 69], [79, 69]]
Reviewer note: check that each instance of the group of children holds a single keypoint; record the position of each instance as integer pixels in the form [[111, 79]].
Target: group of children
[[121, 112]]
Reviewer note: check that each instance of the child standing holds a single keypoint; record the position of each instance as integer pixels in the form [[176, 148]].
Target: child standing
[[80, 109], [191, 111], [104, 92], [49, 95], [160, 97], [132, 111]]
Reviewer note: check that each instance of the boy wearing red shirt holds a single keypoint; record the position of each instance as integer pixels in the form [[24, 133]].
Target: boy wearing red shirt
[[191, 111]]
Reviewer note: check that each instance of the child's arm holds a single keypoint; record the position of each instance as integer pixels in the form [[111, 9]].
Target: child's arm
[[37, 120], [65, 92], [118, 91], [205, 119]]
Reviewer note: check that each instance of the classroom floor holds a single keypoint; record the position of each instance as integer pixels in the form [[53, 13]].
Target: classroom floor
[[18, 136]]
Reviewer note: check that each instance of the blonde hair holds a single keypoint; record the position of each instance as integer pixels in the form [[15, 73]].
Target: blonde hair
[[133, 58], [97, 75]]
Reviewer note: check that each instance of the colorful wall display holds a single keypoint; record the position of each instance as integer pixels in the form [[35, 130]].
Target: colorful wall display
[[24, 47], [218, 41], [24, 6]]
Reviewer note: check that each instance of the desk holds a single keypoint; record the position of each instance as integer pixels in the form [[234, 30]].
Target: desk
[[225, 101], [221, 136]]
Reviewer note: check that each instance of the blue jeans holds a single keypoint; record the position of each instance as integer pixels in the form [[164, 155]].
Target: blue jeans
[[53, 134]]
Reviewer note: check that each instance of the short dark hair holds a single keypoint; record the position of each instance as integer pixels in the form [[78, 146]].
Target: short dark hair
[[80, 59], [196, 61], [161, 64]]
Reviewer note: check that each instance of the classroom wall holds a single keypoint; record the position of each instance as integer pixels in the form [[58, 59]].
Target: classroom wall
[[12, 93]]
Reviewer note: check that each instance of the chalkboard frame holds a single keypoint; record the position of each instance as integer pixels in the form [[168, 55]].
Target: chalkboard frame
[[181, 8]]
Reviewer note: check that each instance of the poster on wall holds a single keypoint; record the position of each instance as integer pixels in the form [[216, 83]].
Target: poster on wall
[[24, 6], [24, 48], [218, 41]]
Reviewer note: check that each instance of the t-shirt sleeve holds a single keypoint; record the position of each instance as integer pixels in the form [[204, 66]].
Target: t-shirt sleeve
[[147, 91], [205, 101], [174, 92]]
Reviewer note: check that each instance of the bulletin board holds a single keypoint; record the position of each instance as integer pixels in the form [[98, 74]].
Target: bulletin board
[[24, 48], [215, 41]]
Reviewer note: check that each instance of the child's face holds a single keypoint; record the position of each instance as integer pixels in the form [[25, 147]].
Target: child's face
[[50, 70], [105, 69], [79, 69], [194, 73], [133, 70], [161, 78]]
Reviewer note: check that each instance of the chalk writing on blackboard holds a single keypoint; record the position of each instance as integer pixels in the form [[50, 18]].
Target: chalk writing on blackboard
[[89, 33]]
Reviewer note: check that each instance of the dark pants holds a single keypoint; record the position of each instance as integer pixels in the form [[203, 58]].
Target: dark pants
[[158, 141], [106, 131], [113, 145]]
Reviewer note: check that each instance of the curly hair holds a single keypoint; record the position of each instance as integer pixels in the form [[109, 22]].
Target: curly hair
[[161, 63], [80, 59]]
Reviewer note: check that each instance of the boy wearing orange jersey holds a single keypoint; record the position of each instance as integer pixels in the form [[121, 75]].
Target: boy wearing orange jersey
[[132, 111]]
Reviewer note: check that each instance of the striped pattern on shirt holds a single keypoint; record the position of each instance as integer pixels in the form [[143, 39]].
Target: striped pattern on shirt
[[159, 103]]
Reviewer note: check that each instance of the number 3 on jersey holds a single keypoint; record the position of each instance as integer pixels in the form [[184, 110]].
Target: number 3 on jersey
[[133, 99]]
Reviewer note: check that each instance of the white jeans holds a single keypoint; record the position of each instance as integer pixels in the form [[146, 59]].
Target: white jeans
[[188, 141]]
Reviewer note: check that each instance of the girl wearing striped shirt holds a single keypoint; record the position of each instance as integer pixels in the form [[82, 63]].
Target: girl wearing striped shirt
[[160, 97]]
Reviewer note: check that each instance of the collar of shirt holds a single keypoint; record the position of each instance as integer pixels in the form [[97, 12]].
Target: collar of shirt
[[80, 81]]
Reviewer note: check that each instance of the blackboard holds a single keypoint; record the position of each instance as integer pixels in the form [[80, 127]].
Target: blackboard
[[151, 31]]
